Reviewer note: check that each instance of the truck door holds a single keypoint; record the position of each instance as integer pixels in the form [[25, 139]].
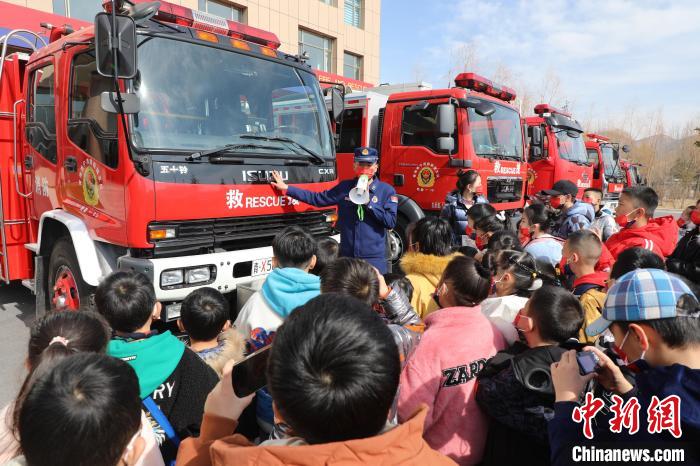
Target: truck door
[[92, 182], [40, 148]]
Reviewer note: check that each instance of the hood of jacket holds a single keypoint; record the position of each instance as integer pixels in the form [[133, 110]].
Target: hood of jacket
[[663, 231], [674, 380], [456, 198], [403, 444], [595, 278], [582, 209], [153, 359], [429, 266], [288, 288]]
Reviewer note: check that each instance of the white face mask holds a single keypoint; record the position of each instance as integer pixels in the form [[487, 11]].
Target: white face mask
[[130, 447]]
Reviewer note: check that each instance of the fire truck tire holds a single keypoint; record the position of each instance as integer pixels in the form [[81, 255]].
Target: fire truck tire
[[397, 240], [65, 287]]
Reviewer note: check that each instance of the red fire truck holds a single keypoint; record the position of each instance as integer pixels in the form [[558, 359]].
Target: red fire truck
[[633, 174], [164, 171], [608, 175], [426, 137], [556, 150]]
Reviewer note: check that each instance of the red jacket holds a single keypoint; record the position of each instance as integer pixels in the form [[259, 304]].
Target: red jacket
[[659, 236], [606, 260]]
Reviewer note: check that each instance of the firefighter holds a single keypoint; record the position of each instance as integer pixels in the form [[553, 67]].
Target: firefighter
[[362, 227]]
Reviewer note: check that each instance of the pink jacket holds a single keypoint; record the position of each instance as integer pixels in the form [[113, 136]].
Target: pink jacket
[[442, 374]]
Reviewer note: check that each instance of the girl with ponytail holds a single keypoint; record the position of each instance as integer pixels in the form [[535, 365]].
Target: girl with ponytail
[[458, 203], [535, 234]]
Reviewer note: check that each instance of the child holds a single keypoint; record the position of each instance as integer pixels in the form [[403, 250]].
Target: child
[[333, 371], [574, 214], [397, 280], [581, 253], [83, 411], [635, 215], [515, 387], [459, 201], [535, 233], [442, 372], [289, 286], [604, 224], [326, 253], [204, 315], [173, 380], [685, 259]]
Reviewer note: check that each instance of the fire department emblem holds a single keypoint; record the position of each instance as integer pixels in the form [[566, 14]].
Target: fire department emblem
[[426, 174], [91, 182]]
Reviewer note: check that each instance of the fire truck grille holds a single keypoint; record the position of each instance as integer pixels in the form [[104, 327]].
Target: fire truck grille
[[231, 234]]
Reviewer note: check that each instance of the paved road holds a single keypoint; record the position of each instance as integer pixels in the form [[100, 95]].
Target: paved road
[[16, 315]]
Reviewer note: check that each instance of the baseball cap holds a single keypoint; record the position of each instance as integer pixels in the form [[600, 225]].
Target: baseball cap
[[366, 154], [561, 187], [642, 294]]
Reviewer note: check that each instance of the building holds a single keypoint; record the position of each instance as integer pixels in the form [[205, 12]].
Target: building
[[340, 37]]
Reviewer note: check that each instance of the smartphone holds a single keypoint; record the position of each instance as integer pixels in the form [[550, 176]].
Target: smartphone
[[587, 362], [248, 375]]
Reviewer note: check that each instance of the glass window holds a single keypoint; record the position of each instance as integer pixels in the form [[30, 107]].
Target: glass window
[[351, 136], [419, 127], [352, 66], [328, 2], [498, 135], [221, 9], [318, 48], [571, 148], [79, 9], [612, 167], [353, 12], [41, 115], [89, 127], [593, 157], [247, 102]]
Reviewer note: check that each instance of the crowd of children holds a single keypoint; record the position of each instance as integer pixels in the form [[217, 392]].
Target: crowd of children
[[467, 354]]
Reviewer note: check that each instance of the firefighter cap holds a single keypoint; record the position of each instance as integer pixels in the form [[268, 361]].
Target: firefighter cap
[[366, 155]]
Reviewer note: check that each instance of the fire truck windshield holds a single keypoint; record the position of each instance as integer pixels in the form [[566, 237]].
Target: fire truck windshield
[[498, 135], [612, 168], [197, 97], [571, 148]]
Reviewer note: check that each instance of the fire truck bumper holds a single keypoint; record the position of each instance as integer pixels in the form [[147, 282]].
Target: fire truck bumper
[[176, 277]]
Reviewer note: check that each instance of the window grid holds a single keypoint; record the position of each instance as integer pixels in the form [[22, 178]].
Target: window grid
[[318, 48], [353, 12], [221, 9], [352, 66]]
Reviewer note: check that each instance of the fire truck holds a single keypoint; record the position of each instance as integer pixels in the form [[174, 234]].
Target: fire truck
[[556, 150], [633, 174], [146, 143], [608, 174], [426, 137]]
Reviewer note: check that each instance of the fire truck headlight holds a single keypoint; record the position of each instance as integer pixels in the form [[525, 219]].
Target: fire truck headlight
[[172, 277], [197, 275]]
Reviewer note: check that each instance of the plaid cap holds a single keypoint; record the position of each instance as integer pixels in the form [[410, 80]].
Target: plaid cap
[[643, 294]]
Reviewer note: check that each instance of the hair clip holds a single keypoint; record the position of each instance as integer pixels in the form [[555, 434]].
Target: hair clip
[[59, 339]]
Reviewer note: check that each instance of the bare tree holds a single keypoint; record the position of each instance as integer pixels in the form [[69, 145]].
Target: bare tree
[[463, 57]]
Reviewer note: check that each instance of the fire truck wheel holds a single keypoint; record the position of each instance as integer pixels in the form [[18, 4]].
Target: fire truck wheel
[[397, 240], [66, 288]]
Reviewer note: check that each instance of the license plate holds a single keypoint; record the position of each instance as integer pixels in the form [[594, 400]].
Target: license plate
[[506, 188], [261, 267]]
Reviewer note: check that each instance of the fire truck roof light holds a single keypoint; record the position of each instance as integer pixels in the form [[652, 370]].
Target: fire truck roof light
[[541, 109], [478, 83], [183, 16], [597, 137]]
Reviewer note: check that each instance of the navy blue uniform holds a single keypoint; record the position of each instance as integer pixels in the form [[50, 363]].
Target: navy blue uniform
[[362, 239]]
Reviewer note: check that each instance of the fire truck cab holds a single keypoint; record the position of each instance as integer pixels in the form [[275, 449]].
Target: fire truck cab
[[556, 150], [177, 185], [608, 175], [426, 137]]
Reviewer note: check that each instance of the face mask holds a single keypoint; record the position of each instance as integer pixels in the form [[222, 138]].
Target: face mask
[[525, 235], [555, 202], [469, 231], [681, 222], [522, 322], [564, 267], [624, 219], [695, 217], [588, 200], [493, 284], [360, 170], [480, 243], [640, 365], [436, 296]]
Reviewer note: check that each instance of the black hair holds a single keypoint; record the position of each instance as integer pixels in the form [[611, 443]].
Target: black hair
[[204, 313], [594, 190], [587, 244], [469, 281], [433, 235], [93, 399], [126, 300], [540, 214], [489, 224], [353, 277], [479, 211], [326, 252], [643, 196], [334, 370], [397, 280], [635, 258], [676, 332], [75, 332], [523, 268], [557, 313], [546, 272], [464, 179], [504, 239], [293, 247]]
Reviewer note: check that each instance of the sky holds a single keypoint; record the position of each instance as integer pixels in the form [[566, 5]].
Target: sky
[[613, 58]]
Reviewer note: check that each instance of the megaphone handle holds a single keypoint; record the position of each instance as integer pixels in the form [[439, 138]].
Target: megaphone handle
[[361, 212]]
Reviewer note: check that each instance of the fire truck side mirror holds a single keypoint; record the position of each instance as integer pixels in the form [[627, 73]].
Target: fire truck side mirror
[[535, 135], [625, 148], [130, 102], [481, 107], [337, 103], [115, 46]]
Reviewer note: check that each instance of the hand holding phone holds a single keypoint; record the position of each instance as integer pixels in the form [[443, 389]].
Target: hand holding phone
[[587, 362], [249, 375]]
